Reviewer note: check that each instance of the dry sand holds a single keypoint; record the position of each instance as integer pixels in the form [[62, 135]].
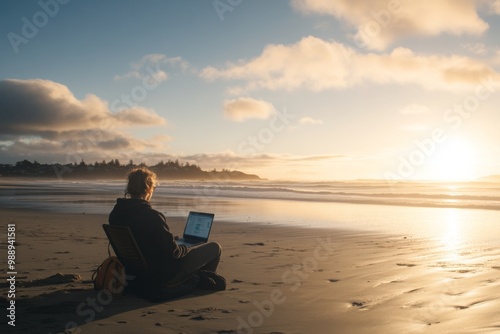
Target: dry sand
[[280, 280]]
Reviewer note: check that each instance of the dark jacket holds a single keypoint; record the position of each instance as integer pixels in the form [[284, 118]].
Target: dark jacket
[[152, 235]]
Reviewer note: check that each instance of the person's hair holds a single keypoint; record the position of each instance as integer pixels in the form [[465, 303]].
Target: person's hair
[[140, 180]]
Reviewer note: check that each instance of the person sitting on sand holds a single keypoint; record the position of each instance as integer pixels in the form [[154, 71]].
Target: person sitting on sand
[[168, 262]]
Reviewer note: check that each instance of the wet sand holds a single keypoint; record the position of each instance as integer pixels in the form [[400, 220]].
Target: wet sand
[[281, 279]]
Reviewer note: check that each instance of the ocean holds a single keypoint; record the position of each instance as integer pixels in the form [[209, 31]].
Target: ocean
[[468, 210]]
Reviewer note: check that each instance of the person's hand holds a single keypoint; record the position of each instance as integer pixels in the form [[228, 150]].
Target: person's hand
[[176, 237]]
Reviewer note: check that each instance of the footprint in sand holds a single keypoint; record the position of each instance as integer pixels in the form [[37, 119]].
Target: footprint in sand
[[406, 264], [463, 271], [151, 312], [52, 280], [417, 305], [453, 294], [202, 317], [254, 244], [357, 304], [207, 313]]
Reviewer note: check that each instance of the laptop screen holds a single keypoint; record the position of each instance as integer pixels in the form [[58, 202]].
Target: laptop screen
[[198, 225]]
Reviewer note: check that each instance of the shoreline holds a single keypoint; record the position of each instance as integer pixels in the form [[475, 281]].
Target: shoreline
[[280, 279], [219, 191]]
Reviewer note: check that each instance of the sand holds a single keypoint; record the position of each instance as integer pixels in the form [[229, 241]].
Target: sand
[[280, 280]]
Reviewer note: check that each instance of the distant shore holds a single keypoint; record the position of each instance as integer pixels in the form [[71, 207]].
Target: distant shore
[[114, 170]]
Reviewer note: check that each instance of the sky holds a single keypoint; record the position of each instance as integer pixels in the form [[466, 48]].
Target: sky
[[286, 89]]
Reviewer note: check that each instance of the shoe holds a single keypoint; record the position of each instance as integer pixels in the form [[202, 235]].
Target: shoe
[[211, 281], [169, 292]]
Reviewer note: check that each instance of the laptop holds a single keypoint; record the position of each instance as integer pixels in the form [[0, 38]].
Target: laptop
[[197, 229]]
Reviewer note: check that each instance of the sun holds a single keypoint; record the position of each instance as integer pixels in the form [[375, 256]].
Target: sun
[[454, 160]]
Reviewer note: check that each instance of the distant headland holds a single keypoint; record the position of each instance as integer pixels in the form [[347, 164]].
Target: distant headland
[[113, 169], [490, 178]]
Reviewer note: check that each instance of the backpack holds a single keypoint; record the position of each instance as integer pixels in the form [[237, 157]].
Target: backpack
[[110, 275]]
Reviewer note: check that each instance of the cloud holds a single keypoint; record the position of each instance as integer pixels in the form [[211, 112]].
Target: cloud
[[149, 67], [41, 117], [290, 66], [379, 23], [417, 127], [310, 120], [317, 65], [41, 106], [475, 48], [233, 161], [415, 109], [245, 108], [419, 116], [495, 6]]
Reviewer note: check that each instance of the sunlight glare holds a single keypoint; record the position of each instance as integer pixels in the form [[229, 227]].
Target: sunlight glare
[[452, 237], [455, 160]]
